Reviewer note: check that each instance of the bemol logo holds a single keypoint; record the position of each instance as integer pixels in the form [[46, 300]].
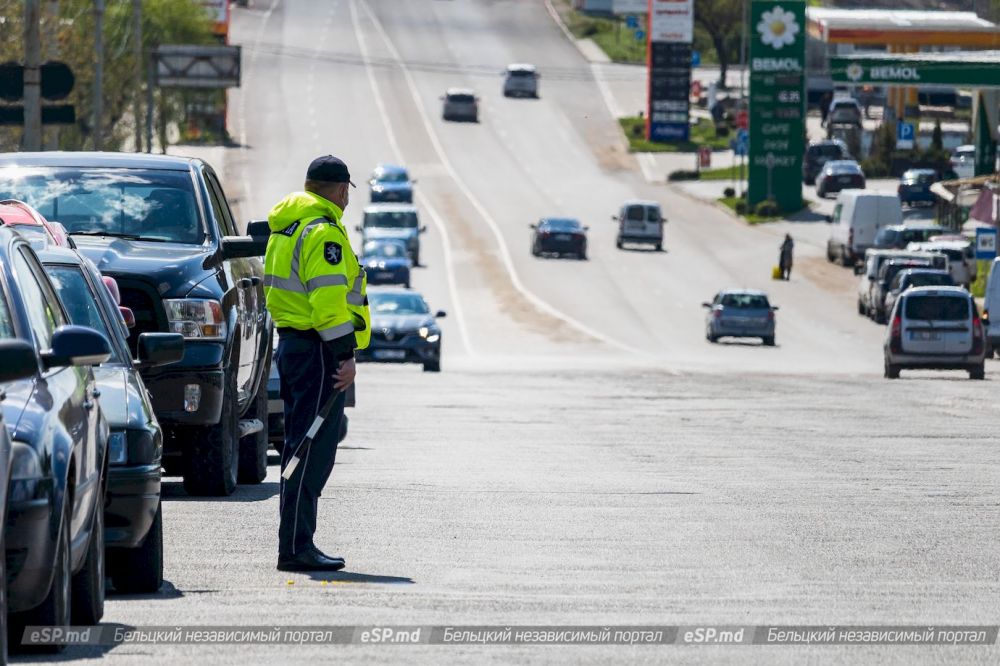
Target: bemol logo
[[776, 65], [894, 73]]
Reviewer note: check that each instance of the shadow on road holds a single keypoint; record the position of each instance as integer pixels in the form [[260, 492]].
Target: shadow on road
[[166, 591], [174, 491], [74, 652], [350, 577]]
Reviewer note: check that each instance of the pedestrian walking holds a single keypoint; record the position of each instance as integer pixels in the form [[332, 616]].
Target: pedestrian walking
[[785, 258], [316, 293]]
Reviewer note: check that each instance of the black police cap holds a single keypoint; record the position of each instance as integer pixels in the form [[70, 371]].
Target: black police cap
[[329, 169]]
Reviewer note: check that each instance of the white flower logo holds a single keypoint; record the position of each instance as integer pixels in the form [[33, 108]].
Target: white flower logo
[[778, 28], [855, 71]]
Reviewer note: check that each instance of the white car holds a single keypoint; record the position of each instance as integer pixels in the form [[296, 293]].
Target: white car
[[961, 258], [963, 161], [935, 328]]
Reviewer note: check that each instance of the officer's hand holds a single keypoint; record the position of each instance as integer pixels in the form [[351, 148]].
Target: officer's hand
[[345, 374]]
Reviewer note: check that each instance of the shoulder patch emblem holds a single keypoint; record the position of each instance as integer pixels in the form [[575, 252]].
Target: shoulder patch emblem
[[333, 253], [290, 229]]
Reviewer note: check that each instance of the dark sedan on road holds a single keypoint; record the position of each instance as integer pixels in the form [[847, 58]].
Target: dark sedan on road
[[390, 184], [55, 520], [740, 313], [403, 329], [133, 528], [915, 187], [898, 236], [559, 236], [386, 262], [839, 175]]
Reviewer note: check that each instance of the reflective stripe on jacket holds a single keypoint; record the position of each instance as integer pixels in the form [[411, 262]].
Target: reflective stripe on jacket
[[312, 278]]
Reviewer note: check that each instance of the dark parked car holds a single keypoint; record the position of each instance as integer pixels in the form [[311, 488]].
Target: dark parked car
[[162, 228], [390, 184], [915, 187], [819, 153], [393, 222], [559, 236], [740, 313], [133, 527], [55, 513], [898, 236], [386, 262], [403, 329], [839, 175]]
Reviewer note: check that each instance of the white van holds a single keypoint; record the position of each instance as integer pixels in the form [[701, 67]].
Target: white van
[[857, 217], [640, 222], [991, 308]]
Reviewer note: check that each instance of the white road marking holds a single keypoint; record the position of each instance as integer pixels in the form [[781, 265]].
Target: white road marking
[[398, 153], [508, 261]]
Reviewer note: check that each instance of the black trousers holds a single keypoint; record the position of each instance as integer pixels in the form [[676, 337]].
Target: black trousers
[[306, 368]]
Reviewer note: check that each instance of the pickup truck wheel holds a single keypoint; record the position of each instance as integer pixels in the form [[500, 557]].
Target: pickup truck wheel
[[88, 583], [213, 453], [140, 570], [253, 448], [54, 611]]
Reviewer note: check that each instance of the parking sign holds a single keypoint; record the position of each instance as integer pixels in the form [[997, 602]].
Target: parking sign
[[905, 135], [986, 243]]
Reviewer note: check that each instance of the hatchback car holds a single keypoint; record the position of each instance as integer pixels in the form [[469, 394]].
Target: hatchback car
[[389, 184], [393, 222], [386, 261], [915, 187], [403, 329], [839, 175], [935, 328], [740, 313], [844, 111], [133, 527], [460, 104], [559, 236], [520, 80], [915, 277], [898, 236], [819, 153]]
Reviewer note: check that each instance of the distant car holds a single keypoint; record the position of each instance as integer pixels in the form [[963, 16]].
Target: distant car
[[935, 328], [29, 222], [915, 277], [520, 80], [740, 313], [869, 272], [386, 261], [819, 153], [640, 222], [460, 104], [838, 175], [559, 236], [133, 532], [963, 161], [887, 273], [915, 187], [390, 183], [898, 236], [403, 329], [961, 258], [393, 222], [844, 111]]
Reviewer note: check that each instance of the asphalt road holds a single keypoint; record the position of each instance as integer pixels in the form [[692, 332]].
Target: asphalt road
[[585, 457]]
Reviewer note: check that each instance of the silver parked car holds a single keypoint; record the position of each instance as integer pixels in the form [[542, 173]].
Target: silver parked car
[[460, 104], [937, 328], [520, 80], [740, 313]]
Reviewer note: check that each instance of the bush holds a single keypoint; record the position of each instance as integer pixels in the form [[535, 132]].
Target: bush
[[767, 209], [741, 207], [729, 193], [683, 174]]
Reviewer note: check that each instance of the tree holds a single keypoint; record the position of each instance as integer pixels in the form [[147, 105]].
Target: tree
[[722, 21]]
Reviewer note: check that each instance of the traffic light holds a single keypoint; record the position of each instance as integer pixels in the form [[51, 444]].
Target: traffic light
[[57, 84]]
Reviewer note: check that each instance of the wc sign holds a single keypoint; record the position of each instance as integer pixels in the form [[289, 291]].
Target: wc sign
[[986, 243]]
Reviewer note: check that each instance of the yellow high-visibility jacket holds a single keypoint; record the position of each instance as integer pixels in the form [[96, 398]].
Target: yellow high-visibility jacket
[[312, 278]]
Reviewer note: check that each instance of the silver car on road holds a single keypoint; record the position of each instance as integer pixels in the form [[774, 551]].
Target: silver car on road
[[740, 313]]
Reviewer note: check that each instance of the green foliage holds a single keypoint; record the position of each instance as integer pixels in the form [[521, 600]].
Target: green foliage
[[721, 22], [767, 209], [683, 174], [612, 35], [702, 134], [740, 207], [729, 193]]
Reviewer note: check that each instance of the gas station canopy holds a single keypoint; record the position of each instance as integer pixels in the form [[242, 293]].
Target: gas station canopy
[[972, 69], [903, 28]]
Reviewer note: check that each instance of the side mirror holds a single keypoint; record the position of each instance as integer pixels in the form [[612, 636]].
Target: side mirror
[[532, 226], [439, 314], [76, 346], [18, 360], [828, 219], [614, 218], [127, 316], [586, 228], [357, 227], [706, 305], [257, 228], [413, 181], [239, 247], [423, 229], [112, 286], [157, 349], [859, 269], [774, 308]]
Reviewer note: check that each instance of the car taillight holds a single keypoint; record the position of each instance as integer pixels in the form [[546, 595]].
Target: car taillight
[[196, 317], [986, 317], [896, 334], [717, 314], [770, 315], [977, 336]]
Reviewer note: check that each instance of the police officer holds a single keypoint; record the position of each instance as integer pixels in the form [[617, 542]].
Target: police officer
[[315, 291]]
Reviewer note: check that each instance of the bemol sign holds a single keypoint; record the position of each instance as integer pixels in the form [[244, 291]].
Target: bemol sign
[[980, 70], [671, 21]]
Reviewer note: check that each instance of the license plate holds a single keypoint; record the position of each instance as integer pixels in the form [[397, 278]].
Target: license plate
[[924, 336], [389, 354], [563, 237], [383, 276], [844, 179]]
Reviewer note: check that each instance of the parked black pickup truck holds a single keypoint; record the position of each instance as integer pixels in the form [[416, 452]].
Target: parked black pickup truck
[[162, 228]]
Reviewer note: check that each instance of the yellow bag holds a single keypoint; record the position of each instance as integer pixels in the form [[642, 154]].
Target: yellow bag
[[776, 273]]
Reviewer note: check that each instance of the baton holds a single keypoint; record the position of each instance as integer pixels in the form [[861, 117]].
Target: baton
[[303, 448]]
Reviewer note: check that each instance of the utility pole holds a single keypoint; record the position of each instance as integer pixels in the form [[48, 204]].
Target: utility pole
[[32, 138], [98, 73], [50, 135], [140, 73]]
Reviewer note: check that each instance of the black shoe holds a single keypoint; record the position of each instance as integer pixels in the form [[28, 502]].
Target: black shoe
[[309, 560], [322, 555]]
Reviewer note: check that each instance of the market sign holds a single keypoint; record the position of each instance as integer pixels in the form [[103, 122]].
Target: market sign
[[777, 102], [945, 69], [671, 30]]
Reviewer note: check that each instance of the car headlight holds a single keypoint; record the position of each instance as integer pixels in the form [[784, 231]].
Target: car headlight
[[117, 449], [433, 338], [24, 462], [196, 317], [428, 334]]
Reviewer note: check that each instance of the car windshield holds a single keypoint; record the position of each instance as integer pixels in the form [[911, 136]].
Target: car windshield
[[81, 305], [383, 249], [827, 150], [937, 308], [153, 205], [397, 304], [642, 213], [392, 220], [929, 280], [561, 225], [521, 73], [461, 97], [745, 301], [392, 177]]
